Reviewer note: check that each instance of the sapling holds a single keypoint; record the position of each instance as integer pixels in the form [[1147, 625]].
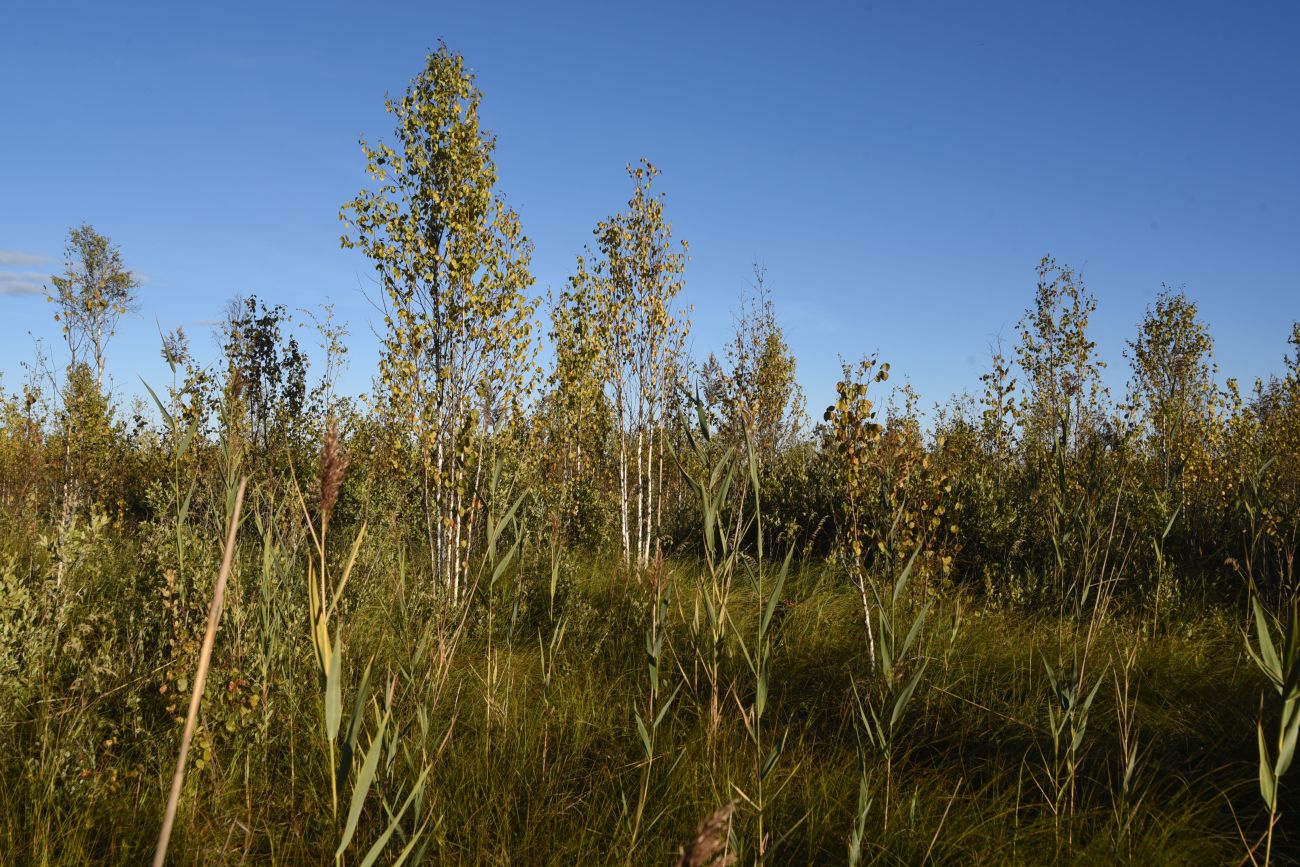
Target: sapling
[[893, 653], [656, 707], [1129, 793], [1280, 662], [711, 622], [1067, 716], [758, 657]]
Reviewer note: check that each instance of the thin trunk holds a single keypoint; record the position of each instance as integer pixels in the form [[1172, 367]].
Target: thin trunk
[[430, 523], [623, 496], [640, 499], [469, 520], [659, 501], [438, 554]]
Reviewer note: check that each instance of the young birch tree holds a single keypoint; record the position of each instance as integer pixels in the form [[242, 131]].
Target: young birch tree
[[578, 415], [453, 263], [761, 393], [93, 293], [1173, 384], [1062, 373], [95, 290], [627, 287], [1063, 425]]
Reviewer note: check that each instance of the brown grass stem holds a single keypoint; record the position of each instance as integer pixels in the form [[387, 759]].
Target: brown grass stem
[[200, 679]]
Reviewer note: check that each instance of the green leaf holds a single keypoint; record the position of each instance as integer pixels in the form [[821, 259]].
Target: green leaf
[[1268, 659], [775, 598], [1051, 675], [354, 724], [916, 628], [1267, 781], [904, 696], [1169, 526], [378, 846], [1286, 747], [334, 692], [184, 509], [510, 513], [645, 737], [744, 650], [772, 757], [702, 417], [184, 445], [663, 711], [365, 777], [167, 417], [503, 564]]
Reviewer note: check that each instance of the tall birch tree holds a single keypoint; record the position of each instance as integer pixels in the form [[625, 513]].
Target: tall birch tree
[[457, 355], [628, 287]]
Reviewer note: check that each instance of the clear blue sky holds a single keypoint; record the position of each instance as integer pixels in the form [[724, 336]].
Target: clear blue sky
[[899, 168]]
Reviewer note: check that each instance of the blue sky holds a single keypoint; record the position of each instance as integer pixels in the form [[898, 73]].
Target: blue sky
[[898, 168]]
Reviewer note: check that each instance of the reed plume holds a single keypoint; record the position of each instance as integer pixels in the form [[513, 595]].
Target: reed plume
[[709, 846], [333, 463]]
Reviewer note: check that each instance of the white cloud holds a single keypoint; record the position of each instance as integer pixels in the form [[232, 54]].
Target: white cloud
[[18, 259], [22, 282]]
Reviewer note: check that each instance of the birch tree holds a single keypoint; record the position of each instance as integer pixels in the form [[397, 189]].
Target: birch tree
[[576, 412], [1063, 391], [627, 288], [1173, 383], [760, 393], [93, 293], [457, 353]]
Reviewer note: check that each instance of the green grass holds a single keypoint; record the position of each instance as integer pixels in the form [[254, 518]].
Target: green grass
[[526, 770]]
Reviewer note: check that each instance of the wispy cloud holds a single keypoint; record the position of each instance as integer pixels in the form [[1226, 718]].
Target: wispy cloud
[[22, 282], [19, 259]]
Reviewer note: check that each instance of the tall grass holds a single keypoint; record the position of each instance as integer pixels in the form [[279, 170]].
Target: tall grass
[[724, 706]]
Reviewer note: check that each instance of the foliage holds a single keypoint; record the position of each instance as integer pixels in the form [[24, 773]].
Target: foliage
[[267, 375], [93, 293], [453, 263], [619, 306]]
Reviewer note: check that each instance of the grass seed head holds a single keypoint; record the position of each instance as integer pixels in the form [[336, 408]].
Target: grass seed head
[[333, 463], [709, 846]]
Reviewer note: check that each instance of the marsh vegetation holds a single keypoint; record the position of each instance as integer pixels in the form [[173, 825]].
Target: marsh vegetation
[[604, 602]]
